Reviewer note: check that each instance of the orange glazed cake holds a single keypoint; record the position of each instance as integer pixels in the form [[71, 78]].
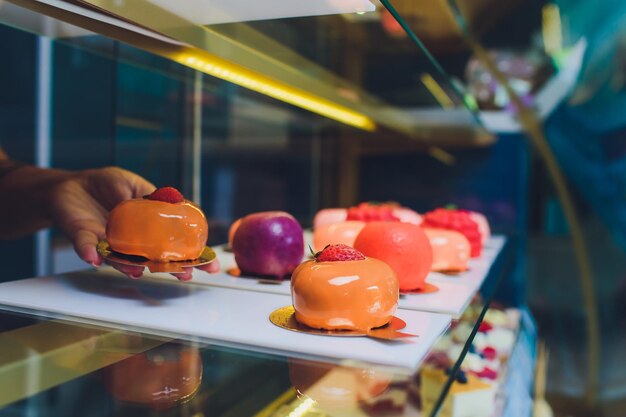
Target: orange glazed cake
[[162, 226], [341, 289]]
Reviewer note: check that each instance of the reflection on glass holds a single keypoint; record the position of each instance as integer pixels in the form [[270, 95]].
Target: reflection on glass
[[344, 390], [159, 378]]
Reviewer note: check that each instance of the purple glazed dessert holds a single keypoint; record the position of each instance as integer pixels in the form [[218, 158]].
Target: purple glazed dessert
[[268, 244]]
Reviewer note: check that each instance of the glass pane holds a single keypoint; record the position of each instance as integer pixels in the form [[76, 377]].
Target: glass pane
[[337, 65]]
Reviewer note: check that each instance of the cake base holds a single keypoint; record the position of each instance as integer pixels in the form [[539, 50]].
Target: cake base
[[110, 256], [428, 289], [285, 317], [236, 272]]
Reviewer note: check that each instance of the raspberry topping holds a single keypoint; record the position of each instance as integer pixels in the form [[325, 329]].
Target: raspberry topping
[[368, 212], [334, 253], [485, 327], [487, 373], [489, 353], [458, 220], [166, 194]]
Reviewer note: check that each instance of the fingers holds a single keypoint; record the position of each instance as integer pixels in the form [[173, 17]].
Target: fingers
[[131, 271], [185, 276], [85, 242], [142, 187], [211, 268]]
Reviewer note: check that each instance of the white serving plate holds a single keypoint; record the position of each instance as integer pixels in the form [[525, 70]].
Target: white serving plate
[[217, 315], [455, 291]]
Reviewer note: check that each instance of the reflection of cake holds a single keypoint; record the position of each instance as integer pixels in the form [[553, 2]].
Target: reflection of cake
[[468, 395], [403, 246], [451, 250], [337, 233], [343, 290], [458, 220], [338, 390], [159, 378], [162, 226]]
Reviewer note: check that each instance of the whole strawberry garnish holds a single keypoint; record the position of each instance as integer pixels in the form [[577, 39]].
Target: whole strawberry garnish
[[335, 253], [166, 194], [459, 220]]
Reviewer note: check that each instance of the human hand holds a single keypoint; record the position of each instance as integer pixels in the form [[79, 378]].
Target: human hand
[[80, 206]]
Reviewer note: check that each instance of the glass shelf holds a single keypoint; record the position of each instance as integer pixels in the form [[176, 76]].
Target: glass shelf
[[127, 370]]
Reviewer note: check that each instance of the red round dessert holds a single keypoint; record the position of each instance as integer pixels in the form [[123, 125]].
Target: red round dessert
[[403, 246]]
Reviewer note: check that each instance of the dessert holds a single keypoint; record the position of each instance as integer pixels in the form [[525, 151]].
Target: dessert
[[458, 220], [159, 378], [483, 225], [336, 233], [403, 246], [268, 244], [468, 395], [232, 230], [162, 227], [334, 226], [329, 216], [338, 390], [451, 250], [367, 212], [341, 289]]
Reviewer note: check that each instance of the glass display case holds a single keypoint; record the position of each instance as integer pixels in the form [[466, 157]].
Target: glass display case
[[300, 106]]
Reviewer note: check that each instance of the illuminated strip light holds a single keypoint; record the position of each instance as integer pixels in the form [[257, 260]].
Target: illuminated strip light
[[552, 29], [436, 90], [248, 79], [302, 408]]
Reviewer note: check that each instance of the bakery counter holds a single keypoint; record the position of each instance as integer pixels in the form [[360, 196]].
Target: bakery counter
[[97, 343], [62, 368]]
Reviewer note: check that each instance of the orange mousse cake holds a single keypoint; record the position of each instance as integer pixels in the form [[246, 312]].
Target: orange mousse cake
[[451, 250], [162, 226], [341, 289]]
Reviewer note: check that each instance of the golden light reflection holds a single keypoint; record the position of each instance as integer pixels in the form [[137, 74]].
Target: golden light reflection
[[256, 82], [551, 28], [437, 91]]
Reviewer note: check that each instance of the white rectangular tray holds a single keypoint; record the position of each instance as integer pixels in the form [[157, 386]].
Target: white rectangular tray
[[455, 291], [218, 315]]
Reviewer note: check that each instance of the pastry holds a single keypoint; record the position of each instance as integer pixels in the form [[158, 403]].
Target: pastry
[[468, 396], [341, 289], [338, 390], [336, 233], [162, 227], [451, 250], [458, 220], [403, 246], [483, 225], [268, 244], [329, 216], [367, 212], [231, 231]]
